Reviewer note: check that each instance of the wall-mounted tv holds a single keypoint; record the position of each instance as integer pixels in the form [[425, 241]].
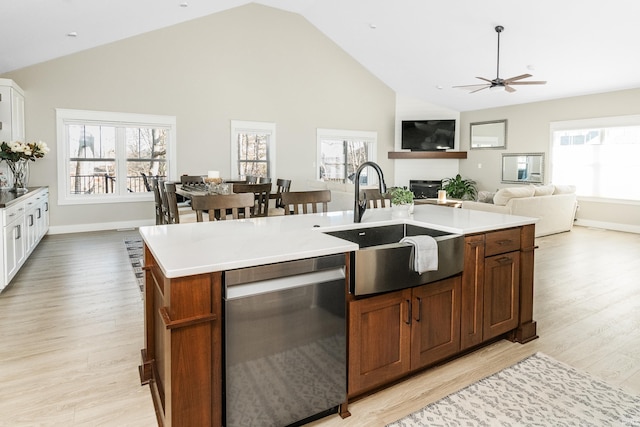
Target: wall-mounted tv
[[428, 135]]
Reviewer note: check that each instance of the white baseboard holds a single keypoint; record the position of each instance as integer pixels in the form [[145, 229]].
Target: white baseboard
[[82, 228], [629, 228]]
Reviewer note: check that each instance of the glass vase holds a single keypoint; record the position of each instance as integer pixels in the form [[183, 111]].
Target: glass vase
[[20, 175]]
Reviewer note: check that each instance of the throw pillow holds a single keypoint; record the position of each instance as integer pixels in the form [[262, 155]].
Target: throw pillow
[[486, 196], [505, 194], [564, 189], [543, 190]]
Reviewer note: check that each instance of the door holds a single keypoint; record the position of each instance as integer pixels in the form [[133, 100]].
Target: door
[[436, 322], [501, 294], [379, 340]]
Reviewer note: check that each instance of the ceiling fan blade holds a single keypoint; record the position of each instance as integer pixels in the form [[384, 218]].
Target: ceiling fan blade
[[529, 83], [476, 86], [482, 88], [513, 79], [486, 80], [509, 88]]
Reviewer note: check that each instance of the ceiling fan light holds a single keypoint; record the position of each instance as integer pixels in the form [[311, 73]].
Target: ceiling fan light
[[497, 88]]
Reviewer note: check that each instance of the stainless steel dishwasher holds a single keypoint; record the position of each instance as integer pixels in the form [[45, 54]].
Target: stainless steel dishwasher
[[285, 342]]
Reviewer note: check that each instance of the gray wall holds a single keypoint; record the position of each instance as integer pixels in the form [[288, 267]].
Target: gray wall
[[250, 63], [528, 132]]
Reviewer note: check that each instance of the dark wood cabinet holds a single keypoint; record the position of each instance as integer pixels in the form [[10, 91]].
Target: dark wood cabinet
[[435, 329], [395, 333], [497, 286], [379, 340], [182, 356]]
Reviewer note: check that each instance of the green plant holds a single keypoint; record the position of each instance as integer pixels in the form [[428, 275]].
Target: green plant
[[401, 196], [458, 188]]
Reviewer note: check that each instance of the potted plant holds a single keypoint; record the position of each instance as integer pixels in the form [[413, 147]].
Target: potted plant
[[458, 188], [401, 200]]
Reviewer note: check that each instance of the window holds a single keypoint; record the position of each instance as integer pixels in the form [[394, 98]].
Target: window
[[253, 147], [341, 152], [600, 156], [104, 157]]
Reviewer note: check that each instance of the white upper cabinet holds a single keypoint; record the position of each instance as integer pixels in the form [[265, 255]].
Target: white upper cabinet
[[11, 111]]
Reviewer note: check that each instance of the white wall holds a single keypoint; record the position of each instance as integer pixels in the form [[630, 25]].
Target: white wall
[[251, 63], [528, 131]]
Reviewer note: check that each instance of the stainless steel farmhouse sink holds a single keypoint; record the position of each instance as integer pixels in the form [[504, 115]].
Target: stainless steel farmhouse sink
[[383, 263]]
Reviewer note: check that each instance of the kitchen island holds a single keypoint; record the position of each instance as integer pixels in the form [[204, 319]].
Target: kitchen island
[[185, 265]]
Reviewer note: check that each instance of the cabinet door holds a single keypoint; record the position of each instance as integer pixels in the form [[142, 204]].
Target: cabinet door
[[472, 292], [14, 250], [435, 332], [379, 340], [501, 294]]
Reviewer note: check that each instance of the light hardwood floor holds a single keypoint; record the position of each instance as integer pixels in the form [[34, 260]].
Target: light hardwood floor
[[71, 331]]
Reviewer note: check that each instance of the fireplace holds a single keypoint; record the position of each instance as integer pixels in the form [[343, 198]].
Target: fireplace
[[424, 189]]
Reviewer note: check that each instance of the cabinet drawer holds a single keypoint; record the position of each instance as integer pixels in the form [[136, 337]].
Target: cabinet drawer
[[11, 213], [499, 242]]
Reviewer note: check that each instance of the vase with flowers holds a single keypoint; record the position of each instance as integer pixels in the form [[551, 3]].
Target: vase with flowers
[[17, 155]]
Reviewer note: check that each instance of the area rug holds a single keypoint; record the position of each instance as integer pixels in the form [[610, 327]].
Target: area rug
[[537, 391], [136, 257]]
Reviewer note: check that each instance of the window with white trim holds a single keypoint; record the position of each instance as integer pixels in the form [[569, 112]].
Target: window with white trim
[[104, 157], [253, 149], [600, 156], [341, 152]]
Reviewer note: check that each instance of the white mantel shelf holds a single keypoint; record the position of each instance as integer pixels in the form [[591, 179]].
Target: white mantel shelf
[[427, 154]]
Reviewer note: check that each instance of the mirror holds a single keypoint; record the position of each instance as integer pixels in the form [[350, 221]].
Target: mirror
[[489, 134], [518, 168]]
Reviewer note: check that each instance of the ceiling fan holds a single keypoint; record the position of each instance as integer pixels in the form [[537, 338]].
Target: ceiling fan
[[499, 83]]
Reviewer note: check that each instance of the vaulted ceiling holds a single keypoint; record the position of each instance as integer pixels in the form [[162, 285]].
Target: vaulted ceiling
[[419, 48]]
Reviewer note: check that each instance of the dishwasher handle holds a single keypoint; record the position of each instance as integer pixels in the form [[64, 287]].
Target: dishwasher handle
[[282, 283]]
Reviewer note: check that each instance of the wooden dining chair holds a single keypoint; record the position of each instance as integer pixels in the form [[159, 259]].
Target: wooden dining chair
[[297, 202], [251, 179], [261, 194], [264, 180], [375, 199], [218, 205], [175, 214], [158, 200], [282, 186]]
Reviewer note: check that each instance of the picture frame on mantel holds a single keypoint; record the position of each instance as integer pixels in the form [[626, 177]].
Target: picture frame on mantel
[[491, 134]]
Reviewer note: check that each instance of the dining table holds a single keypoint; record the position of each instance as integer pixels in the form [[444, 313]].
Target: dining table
[[190, 190]]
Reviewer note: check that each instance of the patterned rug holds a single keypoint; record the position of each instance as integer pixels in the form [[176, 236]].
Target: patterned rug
[[136, 257], [537, 391]]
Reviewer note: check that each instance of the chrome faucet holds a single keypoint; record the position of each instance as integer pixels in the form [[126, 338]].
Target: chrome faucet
[[361, 205]]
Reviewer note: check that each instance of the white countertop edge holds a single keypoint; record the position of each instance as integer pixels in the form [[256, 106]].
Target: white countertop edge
[[277, 236]]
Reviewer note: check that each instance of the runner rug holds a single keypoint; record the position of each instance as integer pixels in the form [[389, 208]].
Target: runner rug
[[136, 258], [537, 391]]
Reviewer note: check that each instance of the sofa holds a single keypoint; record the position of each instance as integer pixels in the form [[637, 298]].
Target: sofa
[[554, 205]]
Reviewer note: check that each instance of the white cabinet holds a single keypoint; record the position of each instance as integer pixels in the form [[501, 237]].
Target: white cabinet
[[11, 111], [25, 220]]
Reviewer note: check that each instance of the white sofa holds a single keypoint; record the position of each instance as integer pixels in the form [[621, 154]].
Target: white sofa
[[554, 205]]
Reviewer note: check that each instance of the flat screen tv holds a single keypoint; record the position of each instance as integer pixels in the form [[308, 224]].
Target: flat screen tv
[[428, 135]]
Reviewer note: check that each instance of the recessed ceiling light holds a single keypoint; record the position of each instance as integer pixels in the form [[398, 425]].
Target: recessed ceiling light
[[439, 87], [373, 26], [184, 4], [72, 34], [531, 67]]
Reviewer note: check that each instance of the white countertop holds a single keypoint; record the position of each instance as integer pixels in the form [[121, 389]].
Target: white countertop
[[195, 248]]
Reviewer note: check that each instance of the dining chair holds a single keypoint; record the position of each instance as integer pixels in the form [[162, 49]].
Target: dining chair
[[218, 205], [251, 179], [158, 199], [375, 199], [297, 202], [282, 186], [261, 194], [145, 180], [264, 180], [175, 214]]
